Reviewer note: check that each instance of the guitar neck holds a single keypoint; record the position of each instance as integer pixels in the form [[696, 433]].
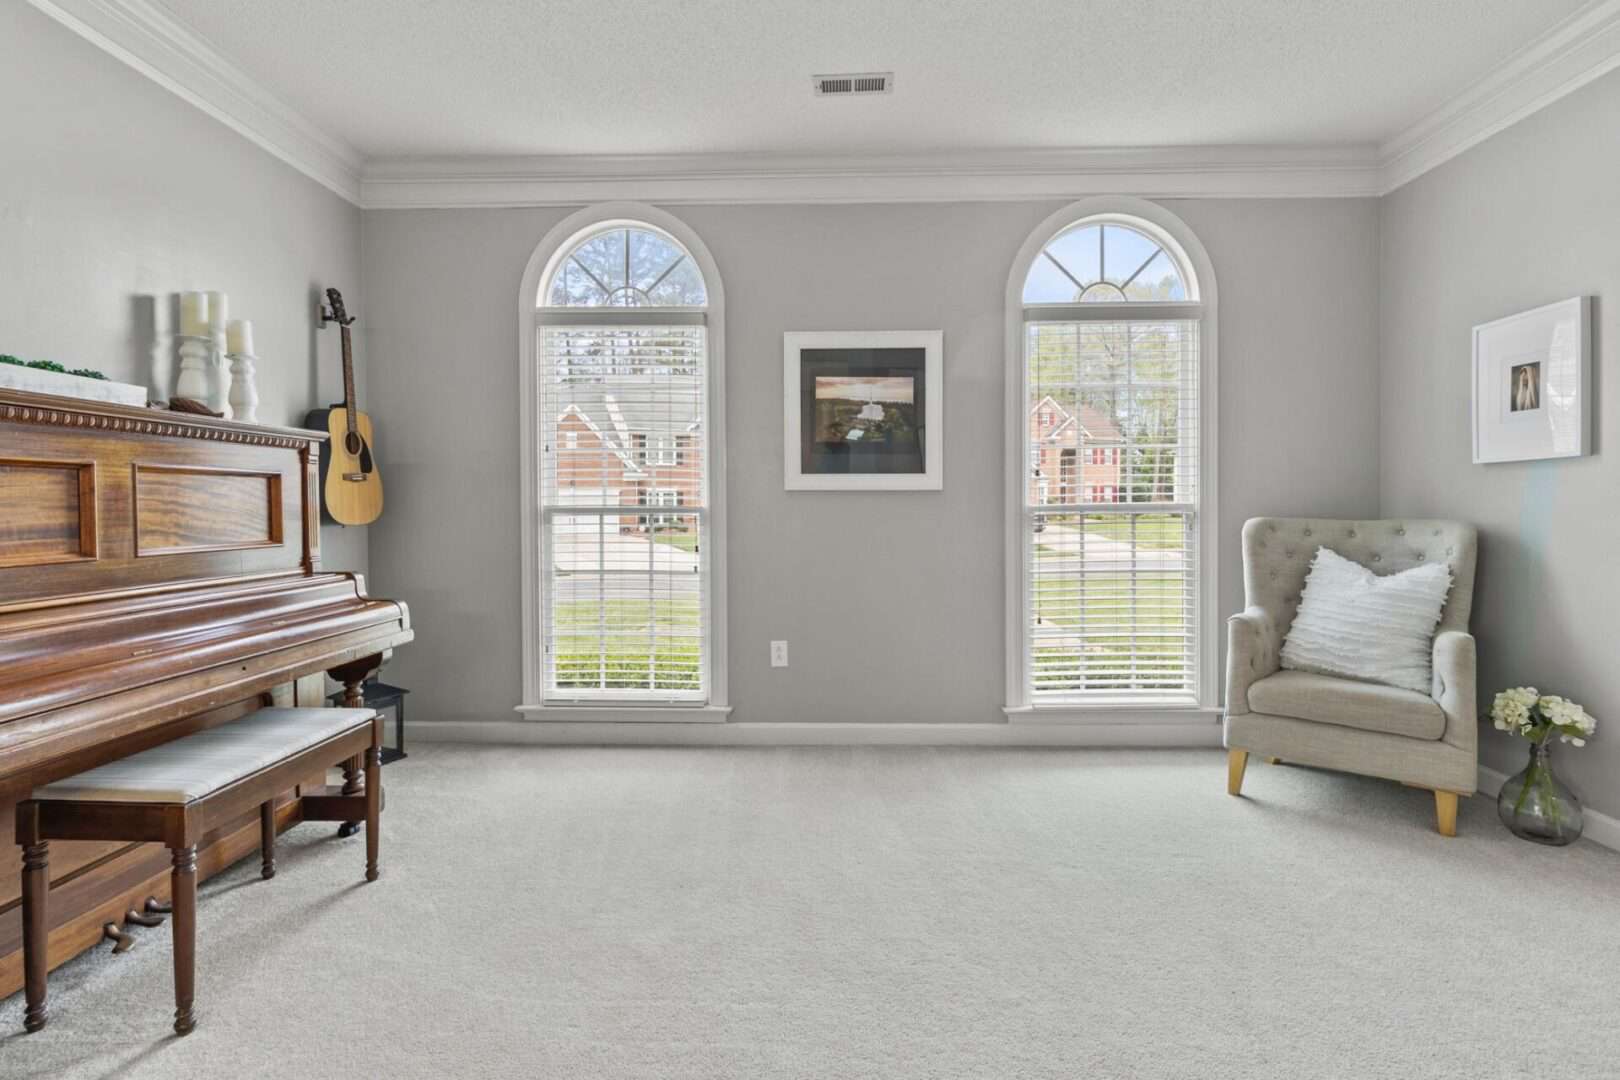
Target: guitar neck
[[348, 380]]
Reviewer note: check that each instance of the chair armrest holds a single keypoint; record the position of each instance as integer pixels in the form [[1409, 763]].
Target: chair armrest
[[1251, 654], [1454, 688]]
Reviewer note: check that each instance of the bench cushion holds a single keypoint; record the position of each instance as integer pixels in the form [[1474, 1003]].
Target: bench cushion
[[195, 765]]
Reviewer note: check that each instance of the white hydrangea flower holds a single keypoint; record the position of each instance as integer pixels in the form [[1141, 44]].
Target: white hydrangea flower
[[1522, 710], [1572, 721], [1509, 713], [1524, 695]]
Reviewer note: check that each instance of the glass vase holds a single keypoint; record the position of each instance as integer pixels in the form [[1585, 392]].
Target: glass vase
[[1537, 806]]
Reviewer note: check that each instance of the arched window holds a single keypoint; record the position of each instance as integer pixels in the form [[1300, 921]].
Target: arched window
[[622, 371], [1110, 314]]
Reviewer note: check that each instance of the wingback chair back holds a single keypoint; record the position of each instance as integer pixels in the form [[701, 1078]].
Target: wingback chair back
[[1277, 554]]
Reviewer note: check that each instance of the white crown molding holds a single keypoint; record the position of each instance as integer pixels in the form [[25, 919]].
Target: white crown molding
[[151, 41], [1578, 50], [1005, 175], [140, 33]]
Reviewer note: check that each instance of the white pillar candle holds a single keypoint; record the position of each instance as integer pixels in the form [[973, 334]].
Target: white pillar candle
[[194, 314], [219, 306], [239, 337]]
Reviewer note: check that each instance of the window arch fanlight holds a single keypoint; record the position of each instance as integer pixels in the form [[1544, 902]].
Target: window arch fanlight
[[621, 324], [1110, 390], [625, 264], [1102, 260]]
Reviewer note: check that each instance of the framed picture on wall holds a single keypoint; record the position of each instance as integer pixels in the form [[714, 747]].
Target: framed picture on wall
[[864, 410], [1532, 384]]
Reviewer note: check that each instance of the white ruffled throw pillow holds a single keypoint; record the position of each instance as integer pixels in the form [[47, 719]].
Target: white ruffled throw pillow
[[1356, 624]]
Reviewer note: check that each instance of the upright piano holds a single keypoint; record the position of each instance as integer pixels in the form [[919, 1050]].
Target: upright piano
[[159, 574]]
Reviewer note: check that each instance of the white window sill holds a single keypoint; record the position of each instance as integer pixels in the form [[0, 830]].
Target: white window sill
[[1112, 713], [627, 714]]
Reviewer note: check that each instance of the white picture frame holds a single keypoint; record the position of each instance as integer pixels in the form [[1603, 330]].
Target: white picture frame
[[798, 454], [1531, 387]]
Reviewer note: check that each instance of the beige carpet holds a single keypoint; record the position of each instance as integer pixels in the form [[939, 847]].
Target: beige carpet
[[687, 914]]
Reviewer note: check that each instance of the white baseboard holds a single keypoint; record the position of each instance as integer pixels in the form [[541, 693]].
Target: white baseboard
[[549, 733], [1600, 828]]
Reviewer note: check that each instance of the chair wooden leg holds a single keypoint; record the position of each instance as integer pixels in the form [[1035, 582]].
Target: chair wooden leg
[[373, 805], [267, 839], [1236, 760], [1445, 812], [183, 879], [36, 887]]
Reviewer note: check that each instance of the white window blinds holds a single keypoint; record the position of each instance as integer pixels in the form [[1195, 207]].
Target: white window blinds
[[1111, 507], [624, 502]]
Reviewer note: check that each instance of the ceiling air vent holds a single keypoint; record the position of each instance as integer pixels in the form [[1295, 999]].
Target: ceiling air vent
[[876, 82]]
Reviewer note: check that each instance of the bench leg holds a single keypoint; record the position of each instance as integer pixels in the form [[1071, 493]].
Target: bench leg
[[373, 810], [36, 887], [351, 786], [183, 878], [267, 839]]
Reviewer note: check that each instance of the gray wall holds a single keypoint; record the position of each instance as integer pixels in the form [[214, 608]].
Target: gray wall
[[892, 603], [1527, 217], [115, 194]]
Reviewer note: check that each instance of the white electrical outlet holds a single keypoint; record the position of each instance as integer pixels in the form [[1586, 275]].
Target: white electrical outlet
[[779, 654]]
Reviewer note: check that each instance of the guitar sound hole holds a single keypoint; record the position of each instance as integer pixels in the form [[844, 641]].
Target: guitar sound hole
[[351, 443]]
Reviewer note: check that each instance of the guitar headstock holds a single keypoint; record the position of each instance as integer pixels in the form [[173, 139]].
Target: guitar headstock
[[336, 312]]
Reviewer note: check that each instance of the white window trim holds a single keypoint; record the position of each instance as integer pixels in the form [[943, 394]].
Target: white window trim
[[1175, 235], [557, 242]]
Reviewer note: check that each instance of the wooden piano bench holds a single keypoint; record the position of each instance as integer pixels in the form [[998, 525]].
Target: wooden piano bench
[[175, 794]]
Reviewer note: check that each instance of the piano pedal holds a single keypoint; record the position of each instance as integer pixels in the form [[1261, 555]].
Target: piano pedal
[[115, 933], [136, 917], [154, 906]]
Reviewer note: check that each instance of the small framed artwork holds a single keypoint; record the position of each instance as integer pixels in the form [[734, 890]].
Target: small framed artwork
[[864, 411], [1532, 384]]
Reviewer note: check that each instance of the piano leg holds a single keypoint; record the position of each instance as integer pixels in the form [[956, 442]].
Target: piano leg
[[184, 880], [354, 697], [36, 889], [352, 785], [267, 839]]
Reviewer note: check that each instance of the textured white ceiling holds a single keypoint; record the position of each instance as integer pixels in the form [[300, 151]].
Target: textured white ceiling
[[436, 77]]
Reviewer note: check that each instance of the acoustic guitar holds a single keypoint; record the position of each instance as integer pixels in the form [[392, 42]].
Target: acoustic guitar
[[351, 485]]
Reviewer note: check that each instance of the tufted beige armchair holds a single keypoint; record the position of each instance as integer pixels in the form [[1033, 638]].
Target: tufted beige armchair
[[1423, 740]]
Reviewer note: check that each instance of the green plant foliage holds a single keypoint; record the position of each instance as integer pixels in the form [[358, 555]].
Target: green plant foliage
[[51, 365]]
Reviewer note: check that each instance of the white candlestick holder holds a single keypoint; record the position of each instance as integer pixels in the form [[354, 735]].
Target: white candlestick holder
[[244, 399], [196, 360], [219, 392]]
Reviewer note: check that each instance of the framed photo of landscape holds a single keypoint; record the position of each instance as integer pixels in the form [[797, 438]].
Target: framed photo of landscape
[[1532, 388], [864, 410]]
